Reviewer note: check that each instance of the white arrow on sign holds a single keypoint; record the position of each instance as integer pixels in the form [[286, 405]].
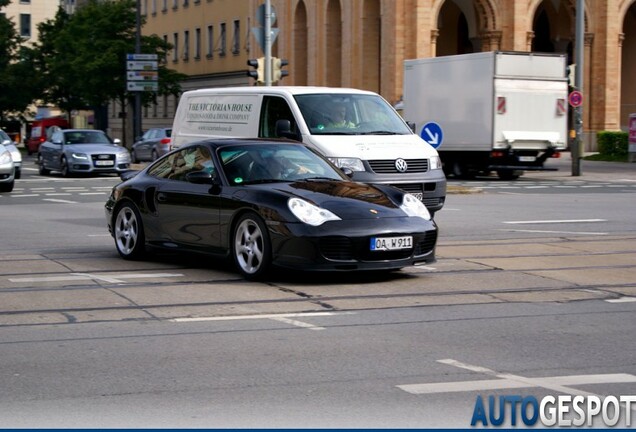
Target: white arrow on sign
[[434, 138]]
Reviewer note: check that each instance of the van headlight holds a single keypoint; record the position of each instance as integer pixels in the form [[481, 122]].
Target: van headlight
[[309, 213], [435, 163], [354, 164], [414, 207]]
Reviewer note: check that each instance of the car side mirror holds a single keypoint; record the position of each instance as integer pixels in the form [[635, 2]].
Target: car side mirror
[[347, 171], [411, 125], [283, 130], [117, 141], [201, 177], [57, 142]]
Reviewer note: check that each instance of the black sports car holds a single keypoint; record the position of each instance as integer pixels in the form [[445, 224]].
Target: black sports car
[[267, 202]]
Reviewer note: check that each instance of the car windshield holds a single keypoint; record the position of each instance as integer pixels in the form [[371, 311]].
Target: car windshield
[[350, 114], [86, 137], [272, 163]]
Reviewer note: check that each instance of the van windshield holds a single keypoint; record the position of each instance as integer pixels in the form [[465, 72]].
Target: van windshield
[[350, 114]]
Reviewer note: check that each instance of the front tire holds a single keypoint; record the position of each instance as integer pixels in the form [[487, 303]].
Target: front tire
[[42, 169], [6, 187], [128, 231], [64, 167], [251, 247]]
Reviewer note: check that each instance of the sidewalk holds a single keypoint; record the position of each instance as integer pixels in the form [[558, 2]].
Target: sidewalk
[[589, 170]]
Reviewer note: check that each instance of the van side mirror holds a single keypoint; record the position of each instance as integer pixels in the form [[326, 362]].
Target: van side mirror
[[411, 125], [283, 130]]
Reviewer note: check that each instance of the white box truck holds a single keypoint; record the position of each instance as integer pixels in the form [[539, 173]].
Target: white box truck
[[503, 112]]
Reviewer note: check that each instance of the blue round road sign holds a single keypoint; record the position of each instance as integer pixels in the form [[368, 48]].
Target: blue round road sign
[[432, 134]]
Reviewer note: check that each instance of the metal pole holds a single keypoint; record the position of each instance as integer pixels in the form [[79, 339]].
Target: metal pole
[[577, 149], [137, 111], [268, 43]]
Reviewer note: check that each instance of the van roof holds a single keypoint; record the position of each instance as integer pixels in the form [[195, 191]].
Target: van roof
[[292, 90]]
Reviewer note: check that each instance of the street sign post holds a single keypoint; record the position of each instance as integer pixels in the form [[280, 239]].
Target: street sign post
[[575, 98]]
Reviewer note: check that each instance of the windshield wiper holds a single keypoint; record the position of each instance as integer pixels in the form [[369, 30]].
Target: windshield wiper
[[263, 181], [379, 132], [317, 178]]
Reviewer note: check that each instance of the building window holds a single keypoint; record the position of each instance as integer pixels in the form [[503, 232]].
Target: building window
[[175, 48], [154, 7], [210, 38], [185, 3], [236, 38], [175, 4], [186, 45], [197, 44], [164, 7], [25, 25], [25, 1], [165, 106], [223, 40]]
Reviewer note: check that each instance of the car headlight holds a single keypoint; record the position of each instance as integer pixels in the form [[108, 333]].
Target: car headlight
[[435, 163], [352, 163], [80, 156], [414, 207], [309, 213], [124, 156], [5, 157]]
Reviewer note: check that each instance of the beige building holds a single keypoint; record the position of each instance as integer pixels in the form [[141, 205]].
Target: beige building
[[363, 43]]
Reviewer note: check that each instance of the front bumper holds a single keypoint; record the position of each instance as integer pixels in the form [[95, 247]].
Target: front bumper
[[345, 245]]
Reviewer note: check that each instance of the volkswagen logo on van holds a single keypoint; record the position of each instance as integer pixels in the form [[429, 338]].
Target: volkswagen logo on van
[[401, 165]]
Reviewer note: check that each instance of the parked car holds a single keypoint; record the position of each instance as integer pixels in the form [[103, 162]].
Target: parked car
[[11, 145], [7, 170], [41, 130], [267, 203], [153, 144], [82, 151]]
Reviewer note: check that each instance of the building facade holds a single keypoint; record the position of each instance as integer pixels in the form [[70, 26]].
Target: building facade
[[363, 44]]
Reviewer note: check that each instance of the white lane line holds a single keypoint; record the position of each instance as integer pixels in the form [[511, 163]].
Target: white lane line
[[25, 196], [59, 201], [285, 318], [115, 278], [92, 193], [622, 300], [507, 381], [556, 232], [554, 221], [58, 194]]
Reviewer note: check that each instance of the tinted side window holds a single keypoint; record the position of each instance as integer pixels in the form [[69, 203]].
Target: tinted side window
[[274, 108], [178, 165]]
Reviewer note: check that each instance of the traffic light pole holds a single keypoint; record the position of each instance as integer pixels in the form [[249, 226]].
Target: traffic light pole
[[577, 149], [268, 43]]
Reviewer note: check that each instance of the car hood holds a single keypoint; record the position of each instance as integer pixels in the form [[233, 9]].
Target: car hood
[[93, 148], [349, 200]]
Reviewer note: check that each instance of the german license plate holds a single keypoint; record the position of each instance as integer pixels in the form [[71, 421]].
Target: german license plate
[[418, 195], [104, 163], [527, 158], [391, 243]]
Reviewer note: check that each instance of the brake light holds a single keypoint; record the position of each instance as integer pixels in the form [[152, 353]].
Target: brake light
[[556, 155], [497, 154], [165, 141]]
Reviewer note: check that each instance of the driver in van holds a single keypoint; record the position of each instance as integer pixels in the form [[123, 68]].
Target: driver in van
[[338, 116]]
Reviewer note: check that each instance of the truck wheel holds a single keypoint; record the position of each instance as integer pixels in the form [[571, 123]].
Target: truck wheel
[[508, 174]]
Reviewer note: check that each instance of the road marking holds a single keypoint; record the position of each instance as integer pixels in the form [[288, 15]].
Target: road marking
[[511, 381], [555, 221], [555, 232], [285, 318], [116, 278], [622, 300], [59, 201], [25, 196], [92, 193]]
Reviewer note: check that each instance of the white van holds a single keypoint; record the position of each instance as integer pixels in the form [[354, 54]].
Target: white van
[[372, 140]]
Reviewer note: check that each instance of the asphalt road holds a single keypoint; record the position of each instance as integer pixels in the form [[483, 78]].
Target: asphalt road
[[533, 294]]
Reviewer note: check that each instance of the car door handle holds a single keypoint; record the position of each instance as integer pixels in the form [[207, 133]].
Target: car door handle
[[162, 197]]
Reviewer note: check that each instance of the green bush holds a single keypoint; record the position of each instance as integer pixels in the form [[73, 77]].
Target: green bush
[[612, 144]]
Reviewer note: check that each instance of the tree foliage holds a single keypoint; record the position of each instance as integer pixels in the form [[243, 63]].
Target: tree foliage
[[82, 57], [18, 80]]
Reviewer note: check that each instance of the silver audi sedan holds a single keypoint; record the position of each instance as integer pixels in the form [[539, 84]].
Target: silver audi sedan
[[6, 140], [82, 151]]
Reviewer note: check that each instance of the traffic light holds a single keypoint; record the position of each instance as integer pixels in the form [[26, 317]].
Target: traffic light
[[258, 73], [572, 75], [277, 72]]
